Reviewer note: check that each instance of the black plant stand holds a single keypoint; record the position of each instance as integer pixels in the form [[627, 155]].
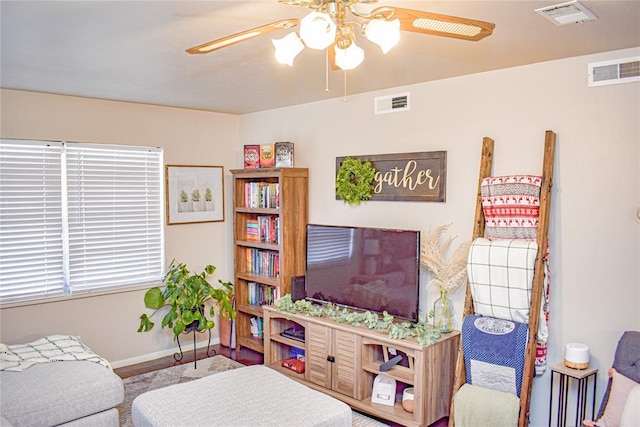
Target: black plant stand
[[193, 328]]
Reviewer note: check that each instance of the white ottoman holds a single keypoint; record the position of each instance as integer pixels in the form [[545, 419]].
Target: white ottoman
[[248, 396]]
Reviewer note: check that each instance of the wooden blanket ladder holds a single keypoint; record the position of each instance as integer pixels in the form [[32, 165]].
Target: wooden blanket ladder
[[538, 277]]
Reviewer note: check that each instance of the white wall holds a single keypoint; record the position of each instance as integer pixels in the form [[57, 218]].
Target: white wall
[[108, 323], [595, 240]]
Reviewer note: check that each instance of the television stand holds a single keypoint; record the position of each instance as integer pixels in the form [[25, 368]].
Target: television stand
[[343, 361]]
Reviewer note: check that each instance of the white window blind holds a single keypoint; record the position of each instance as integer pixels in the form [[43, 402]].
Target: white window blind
[[31, 249], [115, 216], [109, 220]]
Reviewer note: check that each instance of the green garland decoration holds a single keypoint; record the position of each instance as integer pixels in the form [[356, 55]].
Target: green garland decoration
[[354, 182], [422, 332]]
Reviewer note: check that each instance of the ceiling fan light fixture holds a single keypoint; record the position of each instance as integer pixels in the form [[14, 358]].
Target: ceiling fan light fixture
[[349, 58], [317, 30], [287, 48], [330, 26], [385, 34]]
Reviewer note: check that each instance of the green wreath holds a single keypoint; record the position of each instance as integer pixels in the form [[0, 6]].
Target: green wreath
[[354, 182]]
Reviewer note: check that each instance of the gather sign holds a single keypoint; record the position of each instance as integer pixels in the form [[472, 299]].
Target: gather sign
[[416, 177]]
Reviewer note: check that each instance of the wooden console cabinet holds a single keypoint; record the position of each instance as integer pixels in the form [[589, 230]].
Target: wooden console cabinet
[[343, 361]]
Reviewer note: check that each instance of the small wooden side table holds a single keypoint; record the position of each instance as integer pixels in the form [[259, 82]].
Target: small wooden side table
[[582, 377]]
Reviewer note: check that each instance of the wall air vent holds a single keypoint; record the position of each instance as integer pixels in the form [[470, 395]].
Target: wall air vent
[[612, 72], [572, 12], [391, 104]]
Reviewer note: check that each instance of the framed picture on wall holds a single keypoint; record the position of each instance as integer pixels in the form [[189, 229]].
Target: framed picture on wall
[[194, 194]]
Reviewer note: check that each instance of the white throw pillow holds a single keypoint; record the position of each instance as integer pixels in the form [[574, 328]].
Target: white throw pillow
[[631, 413]]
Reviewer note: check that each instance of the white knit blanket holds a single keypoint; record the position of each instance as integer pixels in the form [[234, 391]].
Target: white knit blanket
[[53, 348]]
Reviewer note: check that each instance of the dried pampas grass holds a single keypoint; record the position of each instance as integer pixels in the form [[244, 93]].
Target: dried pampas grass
[[448, 274]]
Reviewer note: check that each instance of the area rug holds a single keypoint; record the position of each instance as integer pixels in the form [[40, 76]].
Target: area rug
[[138, 384]]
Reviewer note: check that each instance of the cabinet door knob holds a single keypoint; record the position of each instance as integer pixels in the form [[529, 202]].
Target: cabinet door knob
[[331, 359]]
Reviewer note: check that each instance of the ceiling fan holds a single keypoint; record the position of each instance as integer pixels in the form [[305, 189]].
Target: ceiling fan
[[329, 25]]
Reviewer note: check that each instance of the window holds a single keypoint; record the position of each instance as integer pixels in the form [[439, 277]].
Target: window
[[78, 218]]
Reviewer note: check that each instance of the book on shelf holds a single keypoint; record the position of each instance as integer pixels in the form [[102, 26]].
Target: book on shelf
[[253, 229], [263, 262], [267, 158], [283, 154], [262, 195], [268, 228], [252, 156], [259, 294], [257, 326]]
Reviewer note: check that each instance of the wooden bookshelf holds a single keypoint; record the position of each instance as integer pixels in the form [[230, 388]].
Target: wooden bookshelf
[[269, 256]]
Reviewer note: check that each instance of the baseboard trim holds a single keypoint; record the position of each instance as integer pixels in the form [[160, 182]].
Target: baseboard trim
[[159, 354]]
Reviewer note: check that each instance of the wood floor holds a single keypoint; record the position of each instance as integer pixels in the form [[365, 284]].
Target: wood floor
[[244, 356]]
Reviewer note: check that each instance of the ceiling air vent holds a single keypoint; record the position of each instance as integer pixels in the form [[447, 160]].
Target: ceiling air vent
[[612, 72], [571, 12], [391, 104]]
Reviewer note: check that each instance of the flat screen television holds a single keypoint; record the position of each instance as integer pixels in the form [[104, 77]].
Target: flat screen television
[[364, 268]]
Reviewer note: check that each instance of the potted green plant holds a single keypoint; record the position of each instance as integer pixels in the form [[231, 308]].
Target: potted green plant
[[185, 294]]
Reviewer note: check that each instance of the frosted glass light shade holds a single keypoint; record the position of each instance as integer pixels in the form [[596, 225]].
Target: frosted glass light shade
[[287, 48], [317, 30], [349, 58], [385, 34]]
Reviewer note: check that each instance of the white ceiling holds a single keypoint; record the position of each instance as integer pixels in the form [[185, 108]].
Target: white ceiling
[[135, 50]]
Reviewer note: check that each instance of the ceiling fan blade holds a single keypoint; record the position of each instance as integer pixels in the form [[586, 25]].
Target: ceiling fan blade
[[244, 35], [435, 24]]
